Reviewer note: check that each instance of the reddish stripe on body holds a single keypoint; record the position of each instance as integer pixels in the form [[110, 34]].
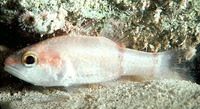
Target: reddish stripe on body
[[155, 62], [50, 58], [121, 59]]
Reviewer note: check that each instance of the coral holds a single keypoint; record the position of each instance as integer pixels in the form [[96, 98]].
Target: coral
[[48, 19], [176, 26], [151, 25], [42, 17], [27, 21], [196, 4]]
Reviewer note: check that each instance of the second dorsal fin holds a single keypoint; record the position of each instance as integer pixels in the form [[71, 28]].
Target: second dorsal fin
[[116, 31]]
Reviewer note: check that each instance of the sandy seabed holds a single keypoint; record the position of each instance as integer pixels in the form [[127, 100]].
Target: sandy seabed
[[128, 92]]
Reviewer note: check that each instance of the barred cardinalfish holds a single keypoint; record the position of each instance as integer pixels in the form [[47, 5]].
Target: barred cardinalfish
[[68, 60]]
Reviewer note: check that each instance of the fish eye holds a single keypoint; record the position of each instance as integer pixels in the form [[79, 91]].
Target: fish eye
[[29, 59]]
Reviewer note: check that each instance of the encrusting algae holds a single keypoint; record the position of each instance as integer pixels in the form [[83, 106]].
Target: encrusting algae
[[153, 25]]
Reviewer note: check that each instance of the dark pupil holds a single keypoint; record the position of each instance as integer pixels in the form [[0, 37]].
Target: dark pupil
[[30, 60]]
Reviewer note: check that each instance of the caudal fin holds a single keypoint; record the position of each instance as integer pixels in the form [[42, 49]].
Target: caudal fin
[[179, 64]]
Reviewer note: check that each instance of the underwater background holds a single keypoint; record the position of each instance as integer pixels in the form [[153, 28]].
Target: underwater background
[[144, 25]]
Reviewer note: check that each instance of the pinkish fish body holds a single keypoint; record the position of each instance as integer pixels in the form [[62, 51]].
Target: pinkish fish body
[[68, 60]]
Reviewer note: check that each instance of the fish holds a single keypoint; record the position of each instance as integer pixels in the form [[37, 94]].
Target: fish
[[75, 59]]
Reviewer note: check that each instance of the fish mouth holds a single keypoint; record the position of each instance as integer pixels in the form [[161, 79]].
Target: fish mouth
[[15, 72]]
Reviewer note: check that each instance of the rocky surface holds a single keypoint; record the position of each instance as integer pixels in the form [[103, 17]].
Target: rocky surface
[[151, 25]]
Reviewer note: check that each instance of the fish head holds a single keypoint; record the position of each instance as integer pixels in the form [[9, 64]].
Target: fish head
[[36, 66]]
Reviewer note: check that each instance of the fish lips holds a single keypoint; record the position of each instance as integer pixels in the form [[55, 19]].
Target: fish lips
[[15, 72]]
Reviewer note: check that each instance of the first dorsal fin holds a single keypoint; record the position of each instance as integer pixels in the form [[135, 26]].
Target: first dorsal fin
[[115, 30], [83, 28]]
